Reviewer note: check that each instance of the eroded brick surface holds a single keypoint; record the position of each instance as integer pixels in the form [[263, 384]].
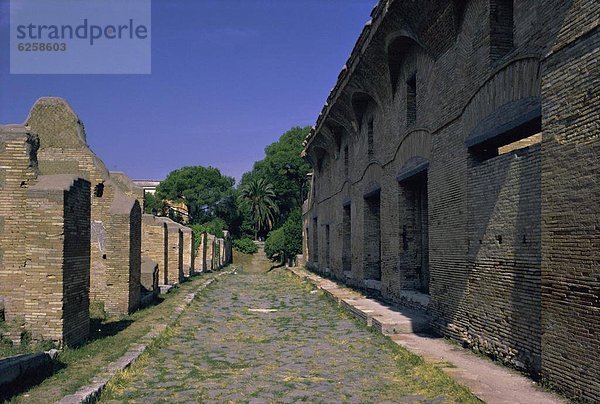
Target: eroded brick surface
[[502, 237]]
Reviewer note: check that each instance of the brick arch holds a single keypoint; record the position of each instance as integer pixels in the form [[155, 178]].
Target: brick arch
[[416, 144], [361, 103], [514, 82], [399, 45]]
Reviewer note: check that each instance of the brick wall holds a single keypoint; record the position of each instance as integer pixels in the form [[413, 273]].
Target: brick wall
[[58, 272], [154, 244], [64, 150], [570, 193], [44, 243], [188, 253], [18, 170], [501, 250], [175, 252]]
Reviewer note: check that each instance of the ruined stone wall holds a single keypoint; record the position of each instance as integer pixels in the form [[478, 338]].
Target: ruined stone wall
[[188, 251], [63, 149], [155, 244], [210, 251], [500, 250], [44, 243], [58, 273], [175, 252], [18, 170], [570, 194], [127, 186], [149, 276], [202, 253]]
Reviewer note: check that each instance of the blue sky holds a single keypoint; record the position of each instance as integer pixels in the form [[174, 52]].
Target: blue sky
[[228, 78]]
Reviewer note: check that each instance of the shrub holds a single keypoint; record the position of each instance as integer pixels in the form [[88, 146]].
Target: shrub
[[245, 245], [274, 245], [286, 242]]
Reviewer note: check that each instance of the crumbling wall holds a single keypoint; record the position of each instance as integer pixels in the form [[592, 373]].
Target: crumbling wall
[[44, 243], [155, 244], [63, 150], [188, 251], [18, 170], [58, 272], [149, 276], [175, 252]]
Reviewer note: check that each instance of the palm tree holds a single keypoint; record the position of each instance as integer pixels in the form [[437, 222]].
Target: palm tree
[[259, 196]]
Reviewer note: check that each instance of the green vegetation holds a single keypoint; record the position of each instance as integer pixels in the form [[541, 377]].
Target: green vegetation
[[203, 190], [262, 202], [109, 340], [245, 245], [257, 196], [286, 242], [7, 348], [154, 205], [285, 173]]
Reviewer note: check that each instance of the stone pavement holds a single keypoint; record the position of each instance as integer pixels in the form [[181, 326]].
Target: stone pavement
[[268, 337], [489, 381]]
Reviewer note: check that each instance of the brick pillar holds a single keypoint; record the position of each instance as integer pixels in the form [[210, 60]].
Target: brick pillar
[[17, 172], [58, 269], [570, 195]]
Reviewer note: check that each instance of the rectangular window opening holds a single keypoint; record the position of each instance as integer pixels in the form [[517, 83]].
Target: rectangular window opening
[[516, 140], [411, 100], [372, 231]]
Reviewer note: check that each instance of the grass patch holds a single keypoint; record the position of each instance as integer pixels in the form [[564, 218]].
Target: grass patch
[[109, 340]]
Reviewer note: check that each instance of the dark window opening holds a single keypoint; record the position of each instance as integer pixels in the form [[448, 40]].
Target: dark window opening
[[347, 239], [414, 224], [516, 140], [372, 229], [99, 190], [370, 140], [501, 28], [411, 100]]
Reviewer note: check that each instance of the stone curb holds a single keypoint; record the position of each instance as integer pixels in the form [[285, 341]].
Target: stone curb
[[92, 392], [488, 381]]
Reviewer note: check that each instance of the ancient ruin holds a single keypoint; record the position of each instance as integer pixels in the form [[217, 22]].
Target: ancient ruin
[[455, 171], [44, 244], [154, 244], [72, 233], [116, 217]]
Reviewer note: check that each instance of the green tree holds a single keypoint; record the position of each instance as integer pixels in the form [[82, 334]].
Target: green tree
[[154, 205], [285, 242], [204, 191], [258, 196], [285, 170]]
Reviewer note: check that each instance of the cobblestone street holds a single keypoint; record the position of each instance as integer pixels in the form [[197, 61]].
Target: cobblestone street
[[259, 336]]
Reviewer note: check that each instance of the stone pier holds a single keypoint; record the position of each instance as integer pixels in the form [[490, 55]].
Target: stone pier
[[44, 243]]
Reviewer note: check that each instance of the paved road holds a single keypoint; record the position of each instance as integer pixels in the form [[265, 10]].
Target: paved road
[[265, 337]]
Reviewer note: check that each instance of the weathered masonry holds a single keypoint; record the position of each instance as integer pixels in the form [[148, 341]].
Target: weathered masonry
[[116, 217], [44, 243], [456, 170]]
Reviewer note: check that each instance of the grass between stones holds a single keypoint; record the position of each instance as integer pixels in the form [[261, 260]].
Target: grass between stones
[[408, 375], [109, 340]]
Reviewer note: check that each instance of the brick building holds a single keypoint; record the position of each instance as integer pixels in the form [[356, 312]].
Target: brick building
[[115, 216], [456, 170], [44, 243]]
